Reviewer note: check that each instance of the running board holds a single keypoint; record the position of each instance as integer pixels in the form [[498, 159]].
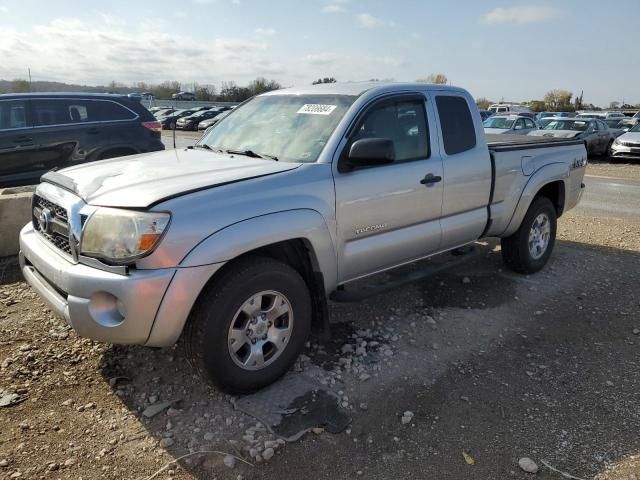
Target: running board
[[363, 289]]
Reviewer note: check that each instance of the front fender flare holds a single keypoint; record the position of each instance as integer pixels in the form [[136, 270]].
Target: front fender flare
[[250, 234], [548, 174]]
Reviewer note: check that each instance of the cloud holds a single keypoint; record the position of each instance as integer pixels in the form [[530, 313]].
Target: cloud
[[235, 2], [334, 9], [4, 9], [369, 21], [323, 58], [520, 15], [96, 53], [113, 20], [265, 32]]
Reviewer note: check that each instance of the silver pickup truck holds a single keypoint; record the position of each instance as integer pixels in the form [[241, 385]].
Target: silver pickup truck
[[234, 245]]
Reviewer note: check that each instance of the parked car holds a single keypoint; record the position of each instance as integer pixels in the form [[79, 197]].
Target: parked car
[[183, 96], [148, 95], [169, 121], [595, 134], [191, 122], [511, 124], [601, 115], [135, 96], [541, 115], [484, 114], [205, 124], [236, 253], [164, 111], [44, 131], [627, 145], [508, 108]]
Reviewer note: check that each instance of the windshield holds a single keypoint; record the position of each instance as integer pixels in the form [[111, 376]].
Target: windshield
[[612, 123], [499, 122], [636, 128], [293, 128], [575, 125], [544, 122]]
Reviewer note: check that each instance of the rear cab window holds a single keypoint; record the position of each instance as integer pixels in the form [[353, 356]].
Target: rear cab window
[[456, 123]]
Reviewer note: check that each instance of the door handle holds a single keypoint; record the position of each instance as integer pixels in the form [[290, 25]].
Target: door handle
[[430, 179], [23, 139]]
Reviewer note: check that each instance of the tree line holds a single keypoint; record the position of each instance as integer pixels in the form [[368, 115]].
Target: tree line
[[228, 91], [558, 100]]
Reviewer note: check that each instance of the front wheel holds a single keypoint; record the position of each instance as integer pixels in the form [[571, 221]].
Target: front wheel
[[249, 326], [529, 248]]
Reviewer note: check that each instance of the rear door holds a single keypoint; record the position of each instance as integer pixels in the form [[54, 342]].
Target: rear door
[[390, 214], [17, 144], [61, 132]]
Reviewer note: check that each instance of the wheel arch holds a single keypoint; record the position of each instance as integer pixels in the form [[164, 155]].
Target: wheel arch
[[550, 182], [308, 248]]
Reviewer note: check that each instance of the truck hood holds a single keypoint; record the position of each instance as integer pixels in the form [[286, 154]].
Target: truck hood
[[142, 180], [555, 133], [496, 130]]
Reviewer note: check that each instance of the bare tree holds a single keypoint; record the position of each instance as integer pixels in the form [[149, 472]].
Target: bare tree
[[482, 103], [437, 78], [558, 100], [324, 80]]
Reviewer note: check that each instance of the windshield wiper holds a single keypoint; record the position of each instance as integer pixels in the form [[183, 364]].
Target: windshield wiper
[[203, 145], [252, 154]]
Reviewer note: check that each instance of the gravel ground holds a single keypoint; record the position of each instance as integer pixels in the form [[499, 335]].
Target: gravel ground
[[458, 375]]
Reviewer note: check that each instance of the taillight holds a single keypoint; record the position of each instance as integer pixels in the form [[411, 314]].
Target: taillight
[[153, 126]]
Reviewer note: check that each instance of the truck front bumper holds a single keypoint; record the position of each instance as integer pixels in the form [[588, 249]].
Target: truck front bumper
[[97, 304]]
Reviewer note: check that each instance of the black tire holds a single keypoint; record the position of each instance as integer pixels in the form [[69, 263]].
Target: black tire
[[205, 339], [515, 249], [607, 150]]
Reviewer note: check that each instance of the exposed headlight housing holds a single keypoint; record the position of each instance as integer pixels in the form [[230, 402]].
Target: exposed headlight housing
[[121, 236]]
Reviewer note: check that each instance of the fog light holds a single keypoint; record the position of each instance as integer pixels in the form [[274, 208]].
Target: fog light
[[105, 309]]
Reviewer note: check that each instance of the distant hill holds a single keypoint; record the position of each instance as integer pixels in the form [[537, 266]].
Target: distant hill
[[6, 86]]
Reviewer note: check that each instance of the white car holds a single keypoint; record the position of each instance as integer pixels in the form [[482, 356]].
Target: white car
[[511, 124], [627, 145]]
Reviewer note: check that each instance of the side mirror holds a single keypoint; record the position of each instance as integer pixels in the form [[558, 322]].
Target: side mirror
[[368, 152]]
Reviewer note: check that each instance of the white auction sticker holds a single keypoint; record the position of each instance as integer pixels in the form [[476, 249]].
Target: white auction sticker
[[316, 109]]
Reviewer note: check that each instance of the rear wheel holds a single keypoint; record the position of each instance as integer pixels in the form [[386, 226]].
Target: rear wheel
[[249, 326], [529, 248]]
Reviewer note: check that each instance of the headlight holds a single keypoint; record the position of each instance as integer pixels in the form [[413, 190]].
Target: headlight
[[616, 141], [120, 236]]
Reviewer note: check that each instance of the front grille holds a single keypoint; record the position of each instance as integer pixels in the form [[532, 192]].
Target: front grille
[[56, 229]]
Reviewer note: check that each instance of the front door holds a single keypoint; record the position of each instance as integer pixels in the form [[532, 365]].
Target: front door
[[390, 214]]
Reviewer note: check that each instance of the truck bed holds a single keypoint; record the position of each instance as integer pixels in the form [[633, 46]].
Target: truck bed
[[505, 143]]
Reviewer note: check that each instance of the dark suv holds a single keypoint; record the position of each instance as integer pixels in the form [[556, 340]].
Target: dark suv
[[45, 131]]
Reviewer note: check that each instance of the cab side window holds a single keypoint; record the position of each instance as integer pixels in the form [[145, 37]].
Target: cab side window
[[12, 114], [458, 131], [402, 121]]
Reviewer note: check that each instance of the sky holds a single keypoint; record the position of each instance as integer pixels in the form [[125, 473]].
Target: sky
[[513, 50]]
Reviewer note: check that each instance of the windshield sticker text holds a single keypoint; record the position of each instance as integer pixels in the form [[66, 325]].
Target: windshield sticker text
[[316, 109]]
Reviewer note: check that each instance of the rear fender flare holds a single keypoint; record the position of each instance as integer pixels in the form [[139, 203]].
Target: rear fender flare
[[548, 174]]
